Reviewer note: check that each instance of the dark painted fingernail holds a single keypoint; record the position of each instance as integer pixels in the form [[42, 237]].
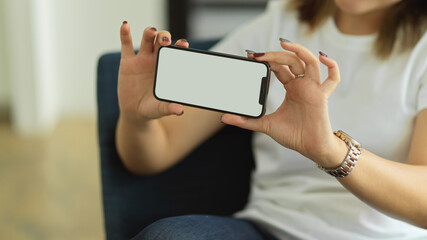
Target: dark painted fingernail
[[259, 54], [182, 113], [250, 51], [153, 28], [165, 39], [284, 40], [323, 54], [125, 22]]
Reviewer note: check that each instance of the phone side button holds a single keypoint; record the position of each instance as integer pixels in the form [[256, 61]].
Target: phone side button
[[263, 91]]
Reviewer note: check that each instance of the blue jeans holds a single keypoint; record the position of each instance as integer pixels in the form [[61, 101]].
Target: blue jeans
[[192, 227]]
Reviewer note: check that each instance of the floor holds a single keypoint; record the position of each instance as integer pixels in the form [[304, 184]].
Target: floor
[[50, 185]]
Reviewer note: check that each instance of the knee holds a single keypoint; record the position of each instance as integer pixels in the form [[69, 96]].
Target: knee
[[168, 228]]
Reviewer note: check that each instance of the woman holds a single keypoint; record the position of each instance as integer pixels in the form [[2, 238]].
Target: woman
[[377, 192]]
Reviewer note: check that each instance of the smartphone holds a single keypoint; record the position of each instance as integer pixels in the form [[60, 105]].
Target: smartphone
[[212, 80]]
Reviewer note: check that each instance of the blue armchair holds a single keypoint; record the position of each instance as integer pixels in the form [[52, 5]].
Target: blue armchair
[[213, 179]]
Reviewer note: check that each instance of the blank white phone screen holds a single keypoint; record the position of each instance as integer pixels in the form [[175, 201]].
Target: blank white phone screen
[[210, 81]]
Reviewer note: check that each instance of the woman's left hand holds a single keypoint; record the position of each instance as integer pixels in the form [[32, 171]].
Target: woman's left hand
[[302, 121]]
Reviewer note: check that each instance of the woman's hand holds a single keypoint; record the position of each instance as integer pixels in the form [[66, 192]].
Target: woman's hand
[[136, 76], [302, 120]]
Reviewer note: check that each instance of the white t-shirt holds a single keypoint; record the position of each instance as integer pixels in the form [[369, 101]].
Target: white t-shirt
[[376, 102]]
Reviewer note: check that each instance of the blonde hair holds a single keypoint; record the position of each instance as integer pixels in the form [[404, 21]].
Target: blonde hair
[[405, 22]]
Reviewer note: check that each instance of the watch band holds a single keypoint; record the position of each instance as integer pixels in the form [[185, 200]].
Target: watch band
[[354, 151]]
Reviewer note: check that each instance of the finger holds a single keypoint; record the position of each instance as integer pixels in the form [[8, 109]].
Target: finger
[[253, 124], [282, 72], [311, 61], [126, 41], [166, 109], [175, 108], [164, 38], [331, 83], [250, 55], [182, 43], [147, 42], [296, 65]]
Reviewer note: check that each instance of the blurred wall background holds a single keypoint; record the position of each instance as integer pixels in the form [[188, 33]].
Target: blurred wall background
[[49, 51], [4, 82], [209, 19]]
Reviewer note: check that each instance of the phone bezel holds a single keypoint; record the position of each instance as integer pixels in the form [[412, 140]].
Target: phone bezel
[[265, 84]]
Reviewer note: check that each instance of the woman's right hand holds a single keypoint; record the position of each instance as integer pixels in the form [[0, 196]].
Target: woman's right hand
[[136, 76]]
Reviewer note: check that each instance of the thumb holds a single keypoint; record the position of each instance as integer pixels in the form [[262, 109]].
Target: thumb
[[166, 108], [253, 124]]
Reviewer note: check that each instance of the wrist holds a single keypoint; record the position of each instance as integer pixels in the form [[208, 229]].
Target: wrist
[[336, 155], [133, 121], [350, 160], [332, 153]]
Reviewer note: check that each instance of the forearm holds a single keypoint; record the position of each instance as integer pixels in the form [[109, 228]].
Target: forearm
[[395, 188], [154, 146], [141, 145]]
